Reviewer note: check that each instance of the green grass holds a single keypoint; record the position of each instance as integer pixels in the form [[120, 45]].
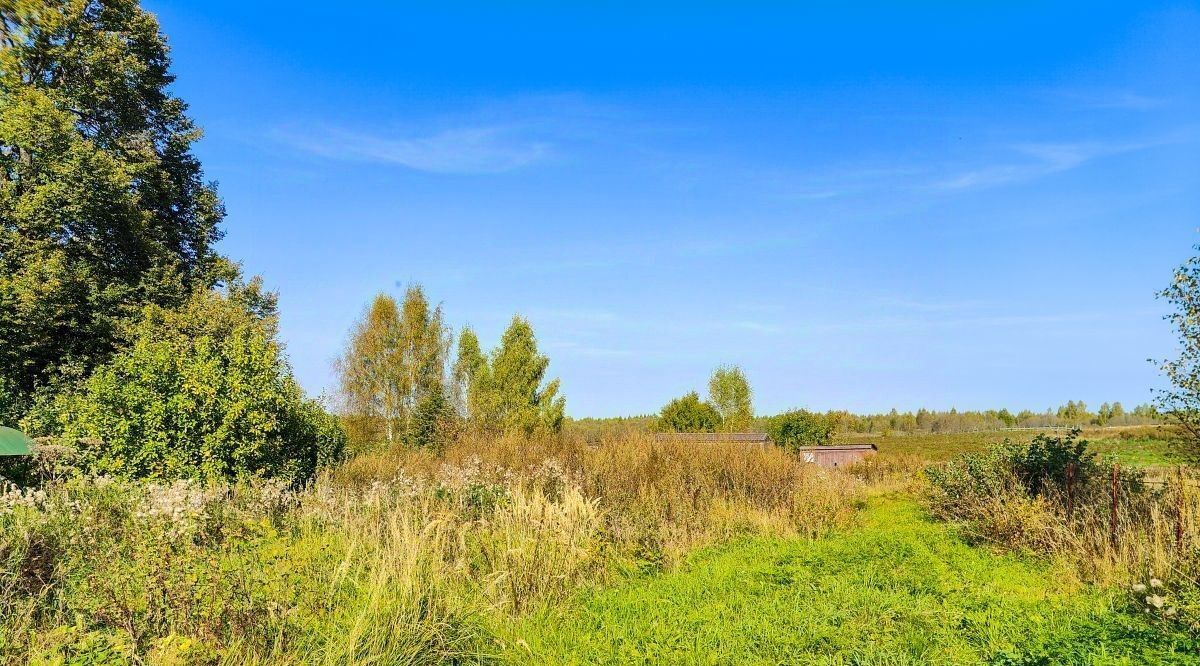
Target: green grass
[[1139, 452], [1143, 447], [898, 589]]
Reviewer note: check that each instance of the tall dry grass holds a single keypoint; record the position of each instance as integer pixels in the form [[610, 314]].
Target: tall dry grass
[[1147, 540], [397, 557], [659, 499]]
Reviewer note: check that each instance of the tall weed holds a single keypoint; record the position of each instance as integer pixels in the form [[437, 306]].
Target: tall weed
[[1052, 496], [397, 557]]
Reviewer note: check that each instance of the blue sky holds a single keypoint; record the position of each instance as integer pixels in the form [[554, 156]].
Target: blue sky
[[866, 208]]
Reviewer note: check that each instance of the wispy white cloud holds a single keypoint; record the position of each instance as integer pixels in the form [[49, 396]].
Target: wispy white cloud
[[495, 136], [812, 195], [1036, 160], [1046, 321], [833, 181], [1004, 164], [1125, 100], [463, 150], [1110, 99]]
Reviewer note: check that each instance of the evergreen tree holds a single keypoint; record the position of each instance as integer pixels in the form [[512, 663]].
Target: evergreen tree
[[512, 397], [924, 418], [1006, 418], [431, 421], [103, 208]]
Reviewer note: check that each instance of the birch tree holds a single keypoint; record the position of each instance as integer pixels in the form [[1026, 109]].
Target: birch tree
[[1181, 401], [730, 393], [394, 366]]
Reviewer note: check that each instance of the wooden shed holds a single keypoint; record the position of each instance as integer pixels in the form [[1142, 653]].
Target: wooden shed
[[759, 438], [836, 456]]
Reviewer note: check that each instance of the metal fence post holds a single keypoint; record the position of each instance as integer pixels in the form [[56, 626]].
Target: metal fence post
[[1179, 511], [1116, 495], [1070, 490]]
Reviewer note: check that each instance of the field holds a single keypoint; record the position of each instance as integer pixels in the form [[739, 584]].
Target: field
[[553, 551], [895, 589], [1141, 445]]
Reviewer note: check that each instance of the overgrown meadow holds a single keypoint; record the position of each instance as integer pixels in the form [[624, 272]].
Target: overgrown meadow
[[397, 557], [493, 549], [1116, 525]]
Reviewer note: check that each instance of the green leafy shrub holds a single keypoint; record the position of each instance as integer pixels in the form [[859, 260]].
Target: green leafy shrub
[[1054, 496], [199, 392], [689, 414], [959, 488], [1044, 464], [800, 427], [1040, 468]]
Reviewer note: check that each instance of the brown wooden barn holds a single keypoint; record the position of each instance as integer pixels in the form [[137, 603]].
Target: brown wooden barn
[[825, 456], [836, 456]]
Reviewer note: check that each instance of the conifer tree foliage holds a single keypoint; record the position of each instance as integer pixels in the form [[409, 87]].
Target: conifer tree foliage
[[523, 402], [507, 391], [103, 207]]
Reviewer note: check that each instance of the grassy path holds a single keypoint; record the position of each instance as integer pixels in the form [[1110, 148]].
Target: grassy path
[[899, 589]]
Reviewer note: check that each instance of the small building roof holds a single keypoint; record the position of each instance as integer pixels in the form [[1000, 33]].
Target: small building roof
[[748, 437], [13, 442], [840, 447]]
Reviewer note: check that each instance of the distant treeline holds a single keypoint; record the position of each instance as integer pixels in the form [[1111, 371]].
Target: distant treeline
[[1073, 413]]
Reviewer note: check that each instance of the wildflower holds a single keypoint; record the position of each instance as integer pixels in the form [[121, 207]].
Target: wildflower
[[13, 497], [1155, 601], [1155, 583], [1139, 587]]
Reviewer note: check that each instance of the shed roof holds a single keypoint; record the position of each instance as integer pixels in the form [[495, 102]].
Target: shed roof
[[749, 437], [840, 447], [13, 442]]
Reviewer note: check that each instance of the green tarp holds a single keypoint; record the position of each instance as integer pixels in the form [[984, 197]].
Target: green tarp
[[13, 442]]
